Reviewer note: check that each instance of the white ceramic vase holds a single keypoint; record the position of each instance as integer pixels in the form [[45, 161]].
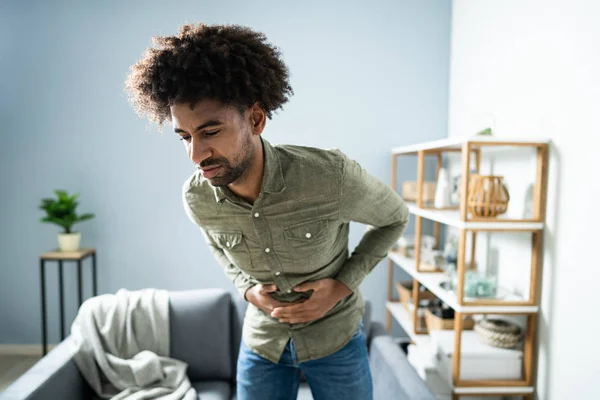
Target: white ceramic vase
[[442, 190], [69, 241]]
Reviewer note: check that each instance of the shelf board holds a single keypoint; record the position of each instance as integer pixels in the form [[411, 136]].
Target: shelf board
[[493, 390], [432, 280], [455, 143], [404, 318], [452, 218]]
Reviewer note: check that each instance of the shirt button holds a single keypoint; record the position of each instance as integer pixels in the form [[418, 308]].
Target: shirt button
[[277, 273], [256, 215], [228, 244], [308, 235], [289, 291], [267, 250]]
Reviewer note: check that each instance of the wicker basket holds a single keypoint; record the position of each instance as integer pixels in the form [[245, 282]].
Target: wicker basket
[[404, 289], [499, 333], [436, 323], [487, 197]]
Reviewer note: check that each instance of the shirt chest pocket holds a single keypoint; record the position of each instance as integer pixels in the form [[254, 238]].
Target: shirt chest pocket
[[310, 241], [234, 246]]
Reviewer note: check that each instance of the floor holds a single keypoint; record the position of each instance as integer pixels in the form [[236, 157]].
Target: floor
[[12, 367]]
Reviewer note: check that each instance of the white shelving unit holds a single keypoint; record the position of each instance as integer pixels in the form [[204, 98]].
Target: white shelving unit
[[461, 218]]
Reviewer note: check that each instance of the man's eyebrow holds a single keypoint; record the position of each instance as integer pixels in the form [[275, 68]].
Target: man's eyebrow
[[207, 124]]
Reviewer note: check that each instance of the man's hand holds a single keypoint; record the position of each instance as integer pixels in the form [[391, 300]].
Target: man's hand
[[260, 296], [326, 294]]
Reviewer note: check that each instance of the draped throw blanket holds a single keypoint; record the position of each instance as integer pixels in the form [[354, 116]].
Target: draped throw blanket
[[121, 346]]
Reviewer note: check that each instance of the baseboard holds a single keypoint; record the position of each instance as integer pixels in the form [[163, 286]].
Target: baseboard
[[31, 350]]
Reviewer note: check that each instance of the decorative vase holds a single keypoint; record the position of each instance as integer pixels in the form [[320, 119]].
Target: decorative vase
[[69, 241], [442, 190], [488, 196]]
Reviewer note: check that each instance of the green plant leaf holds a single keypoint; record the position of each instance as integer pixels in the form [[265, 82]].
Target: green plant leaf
[[62, 195], [85, 217]]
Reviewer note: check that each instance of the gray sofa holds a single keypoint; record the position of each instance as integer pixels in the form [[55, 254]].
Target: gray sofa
[[205, 333]]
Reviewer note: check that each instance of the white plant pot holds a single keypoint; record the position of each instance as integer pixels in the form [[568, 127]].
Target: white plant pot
[[69, 241]]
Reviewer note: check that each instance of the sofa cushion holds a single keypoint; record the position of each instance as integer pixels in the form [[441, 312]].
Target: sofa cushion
[[213, 390], [200, 329]]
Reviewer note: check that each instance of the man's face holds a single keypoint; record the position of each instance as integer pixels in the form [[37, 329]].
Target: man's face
[[218, 139]]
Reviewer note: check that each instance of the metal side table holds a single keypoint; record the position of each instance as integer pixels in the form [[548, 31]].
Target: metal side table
[[61, 256]]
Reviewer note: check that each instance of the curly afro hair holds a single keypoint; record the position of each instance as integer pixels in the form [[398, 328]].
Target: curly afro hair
[[228, 63]]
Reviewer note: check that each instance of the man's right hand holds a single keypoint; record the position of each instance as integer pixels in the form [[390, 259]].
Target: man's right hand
[[260, 296]]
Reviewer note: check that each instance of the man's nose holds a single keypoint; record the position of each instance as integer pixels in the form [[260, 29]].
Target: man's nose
[[199, 152]]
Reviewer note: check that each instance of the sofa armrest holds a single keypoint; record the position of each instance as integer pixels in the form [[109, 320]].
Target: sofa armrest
[[55, 376], [393, 376]]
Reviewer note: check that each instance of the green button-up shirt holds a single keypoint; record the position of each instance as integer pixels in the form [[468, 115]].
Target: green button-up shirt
[[297, 231]]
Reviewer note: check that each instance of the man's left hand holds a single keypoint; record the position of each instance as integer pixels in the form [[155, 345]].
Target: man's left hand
[[326, 294]]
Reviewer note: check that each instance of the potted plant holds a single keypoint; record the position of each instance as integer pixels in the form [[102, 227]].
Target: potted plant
[[61, 211]]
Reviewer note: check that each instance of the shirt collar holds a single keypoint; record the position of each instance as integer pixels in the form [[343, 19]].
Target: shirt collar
[[272, 182]]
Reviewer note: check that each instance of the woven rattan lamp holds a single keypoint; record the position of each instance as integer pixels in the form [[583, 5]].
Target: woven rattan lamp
[[488, 197]]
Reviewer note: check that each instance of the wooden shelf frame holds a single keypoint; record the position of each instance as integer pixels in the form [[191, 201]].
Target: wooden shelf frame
[[467, 224]]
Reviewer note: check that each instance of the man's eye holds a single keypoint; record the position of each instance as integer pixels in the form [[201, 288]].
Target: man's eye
[[186, 138], [213, 133]]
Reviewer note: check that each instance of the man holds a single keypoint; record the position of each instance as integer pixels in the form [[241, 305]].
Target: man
[[275, 217]]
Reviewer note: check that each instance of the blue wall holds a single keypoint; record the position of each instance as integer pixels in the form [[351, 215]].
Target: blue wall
[[367, 75]]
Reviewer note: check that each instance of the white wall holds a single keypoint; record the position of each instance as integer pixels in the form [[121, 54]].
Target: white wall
[[532, 69]]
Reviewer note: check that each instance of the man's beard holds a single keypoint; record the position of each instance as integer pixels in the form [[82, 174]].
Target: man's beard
[[230, 172]]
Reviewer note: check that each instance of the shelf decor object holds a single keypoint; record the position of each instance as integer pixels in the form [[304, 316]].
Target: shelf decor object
[[482, 207], [499, 333], [488, 197], [409, 191], [435, 322], [442, 190]]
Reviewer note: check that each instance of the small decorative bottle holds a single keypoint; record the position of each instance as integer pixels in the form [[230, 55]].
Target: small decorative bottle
[[442, 190]]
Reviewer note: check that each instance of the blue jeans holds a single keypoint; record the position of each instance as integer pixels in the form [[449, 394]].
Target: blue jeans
[[344, 374]]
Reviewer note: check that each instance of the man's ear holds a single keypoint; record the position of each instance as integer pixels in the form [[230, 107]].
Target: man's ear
[[258, 119]]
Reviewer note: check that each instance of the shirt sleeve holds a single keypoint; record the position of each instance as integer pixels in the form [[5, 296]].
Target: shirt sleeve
[[367, 200], [235, 274]]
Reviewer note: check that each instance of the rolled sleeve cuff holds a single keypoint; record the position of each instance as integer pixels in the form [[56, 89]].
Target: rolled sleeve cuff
[[242, 284]]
